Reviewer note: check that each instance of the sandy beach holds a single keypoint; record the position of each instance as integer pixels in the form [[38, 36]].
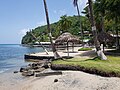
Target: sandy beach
[[69, 80]]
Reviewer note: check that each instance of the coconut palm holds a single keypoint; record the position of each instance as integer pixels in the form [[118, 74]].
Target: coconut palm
[[113, 7], [96, 42], [99, 8], [56, 55], [75, 3], [64, 23], [37, 39]]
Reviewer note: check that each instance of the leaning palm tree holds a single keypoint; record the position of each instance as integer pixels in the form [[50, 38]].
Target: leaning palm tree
[[96, 42], [75, 3], [56, 55], [36, 39]]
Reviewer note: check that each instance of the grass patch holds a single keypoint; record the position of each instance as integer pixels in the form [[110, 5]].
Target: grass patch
[[110, 67], [84, 49]]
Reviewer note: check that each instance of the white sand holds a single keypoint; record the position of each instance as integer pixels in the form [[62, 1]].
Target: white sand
[[69, 80], [63, 53]]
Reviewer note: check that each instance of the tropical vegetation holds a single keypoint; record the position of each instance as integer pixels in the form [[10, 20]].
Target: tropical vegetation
[[65, 24], [102, 14]]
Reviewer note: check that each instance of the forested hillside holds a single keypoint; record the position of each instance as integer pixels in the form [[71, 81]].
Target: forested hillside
[[65, 24]]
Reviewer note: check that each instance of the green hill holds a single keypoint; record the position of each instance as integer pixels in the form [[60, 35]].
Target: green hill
[[42, 33]]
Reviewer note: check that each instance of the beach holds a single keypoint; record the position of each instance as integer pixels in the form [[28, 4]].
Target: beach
[[69, 80], [60, 45]]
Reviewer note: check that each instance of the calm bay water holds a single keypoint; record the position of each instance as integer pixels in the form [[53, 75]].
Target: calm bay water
[[12, 56]]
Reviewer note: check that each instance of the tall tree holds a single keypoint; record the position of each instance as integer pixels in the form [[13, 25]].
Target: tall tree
[[56, 55], [99, 8], [113, 7], [75, 3], [64, 23], [96, 42]]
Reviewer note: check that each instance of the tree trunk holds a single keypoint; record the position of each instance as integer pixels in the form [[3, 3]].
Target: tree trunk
[[103, 27], [117, 40], [56, 55], [117, 37], [68, 48], [96, 42], [39, 42]]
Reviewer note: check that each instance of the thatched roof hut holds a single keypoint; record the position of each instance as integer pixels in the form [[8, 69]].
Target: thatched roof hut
[[66, 38], [105, 38]]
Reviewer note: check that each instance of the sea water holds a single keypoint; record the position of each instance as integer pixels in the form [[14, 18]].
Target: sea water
[[12, 56]]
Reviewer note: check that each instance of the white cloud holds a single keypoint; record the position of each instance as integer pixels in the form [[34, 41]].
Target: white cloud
[[55, 12], [23, 31], [60, 12], [41, 23], [82, 4]]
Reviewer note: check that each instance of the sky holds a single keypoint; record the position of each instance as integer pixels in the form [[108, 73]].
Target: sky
[[19, 16]]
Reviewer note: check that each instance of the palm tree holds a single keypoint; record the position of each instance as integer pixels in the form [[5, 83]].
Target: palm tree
[[99, 8], [114, 12], [75, 3], [36, 39], [64, 23], [56, 55], [96, 42]]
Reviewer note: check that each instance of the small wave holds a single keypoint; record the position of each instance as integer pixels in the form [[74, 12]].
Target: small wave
[[4, 70]]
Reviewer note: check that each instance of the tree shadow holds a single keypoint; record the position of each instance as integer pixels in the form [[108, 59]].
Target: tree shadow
[[90, 53], [70, 52], [112, 52], [67, 60]]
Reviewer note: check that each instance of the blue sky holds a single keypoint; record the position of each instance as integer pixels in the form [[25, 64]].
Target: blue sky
[[18, 16]]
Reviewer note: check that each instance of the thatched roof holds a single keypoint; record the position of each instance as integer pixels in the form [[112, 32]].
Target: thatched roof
[[66, 37], [104, 37]]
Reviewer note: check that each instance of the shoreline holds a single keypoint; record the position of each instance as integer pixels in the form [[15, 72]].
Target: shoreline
[[69, 80], [9, 79]]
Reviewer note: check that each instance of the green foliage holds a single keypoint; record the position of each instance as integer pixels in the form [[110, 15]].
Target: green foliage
[[84, 49], [66, 24], [109, 10], [112, 65], [27, 39]]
